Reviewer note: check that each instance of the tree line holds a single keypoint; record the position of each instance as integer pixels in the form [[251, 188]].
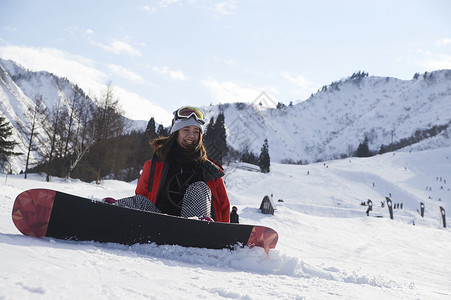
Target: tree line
[[419, 135], [76, 138]]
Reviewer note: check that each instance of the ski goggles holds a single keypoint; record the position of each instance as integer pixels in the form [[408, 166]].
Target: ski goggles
[[188, 112]]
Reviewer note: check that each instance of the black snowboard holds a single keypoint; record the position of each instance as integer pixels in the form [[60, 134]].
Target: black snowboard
[[48, 213]]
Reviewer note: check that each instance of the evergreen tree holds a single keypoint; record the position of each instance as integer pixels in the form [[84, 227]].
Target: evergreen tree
[[221, 137], [215, 139], [264, 161], [249, 157], [151, 130], [144, 151], [6, 146], [208, 136], [162, 131], [363, 150], [280, 105]]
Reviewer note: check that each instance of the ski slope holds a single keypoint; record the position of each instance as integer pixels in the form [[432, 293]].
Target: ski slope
[[328, 248]]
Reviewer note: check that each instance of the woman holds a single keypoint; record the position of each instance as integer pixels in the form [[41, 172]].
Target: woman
[[180, 179]]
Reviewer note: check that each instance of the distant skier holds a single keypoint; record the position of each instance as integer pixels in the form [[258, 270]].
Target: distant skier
[[234, 217]]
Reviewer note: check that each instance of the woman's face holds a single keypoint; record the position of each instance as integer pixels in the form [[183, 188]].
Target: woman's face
[[188, 136]]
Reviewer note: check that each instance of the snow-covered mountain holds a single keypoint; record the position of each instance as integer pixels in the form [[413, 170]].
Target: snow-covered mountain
[[329, 125], [18, 89], [333, 122]]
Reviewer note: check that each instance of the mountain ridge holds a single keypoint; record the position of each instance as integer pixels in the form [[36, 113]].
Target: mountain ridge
[[328, 125], [332, 123]]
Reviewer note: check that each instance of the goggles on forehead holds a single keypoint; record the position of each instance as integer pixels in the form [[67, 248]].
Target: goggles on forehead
[[188, 112]]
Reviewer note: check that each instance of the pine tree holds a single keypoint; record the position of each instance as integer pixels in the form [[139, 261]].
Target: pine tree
[[248, 157], [144, 151], [162, 131], [208, 136], [220, 137], [264, 161], [363, 150], [6, 146], [215, 139], [151, 129]]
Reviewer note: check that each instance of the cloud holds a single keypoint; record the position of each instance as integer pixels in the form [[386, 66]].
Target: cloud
[[305, 85], [440, 62], [228, 91], [140, 108], [298, 80], [78, 69], [165, 3], [432, 61], [444, 42], [118, 47], [124, 73], [149, 9], [9, 28], [160, 4], [175, 75], [225, 8], [82, 72], [229, 62]]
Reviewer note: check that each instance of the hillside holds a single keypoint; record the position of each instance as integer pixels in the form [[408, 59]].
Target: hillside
[[328, 248], [393, 113], [19, 88], [332, 123]]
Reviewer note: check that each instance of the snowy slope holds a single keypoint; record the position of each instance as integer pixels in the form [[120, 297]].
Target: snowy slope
[[328, 248], [332, 123]]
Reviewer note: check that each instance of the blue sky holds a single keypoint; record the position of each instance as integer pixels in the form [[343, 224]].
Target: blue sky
[[160, 55]]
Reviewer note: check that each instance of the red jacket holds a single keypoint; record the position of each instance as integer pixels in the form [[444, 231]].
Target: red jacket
[[151, 177]]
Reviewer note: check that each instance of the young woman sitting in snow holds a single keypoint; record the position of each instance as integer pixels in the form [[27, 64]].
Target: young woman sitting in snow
[[180, 179]]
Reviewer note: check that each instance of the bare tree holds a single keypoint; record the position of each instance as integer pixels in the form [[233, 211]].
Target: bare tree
[[78, 138], [107, 123], [34, 116], [55, 129]]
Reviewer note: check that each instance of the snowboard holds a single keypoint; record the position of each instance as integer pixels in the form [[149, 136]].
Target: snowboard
[[49, 213]]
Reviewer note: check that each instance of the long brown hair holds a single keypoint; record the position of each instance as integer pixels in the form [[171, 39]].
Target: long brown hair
[[162, 146]]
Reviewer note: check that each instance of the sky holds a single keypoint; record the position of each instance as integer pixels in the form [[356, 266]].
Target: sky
[[160, 55]]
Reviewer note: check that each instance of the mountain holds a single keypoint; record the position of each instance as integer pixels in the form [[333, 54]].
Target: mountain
[[19, 88], [410, 114], [390, 113]]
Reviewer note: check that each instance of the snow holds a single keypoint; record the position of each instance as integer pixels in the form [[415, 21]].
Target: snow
[[329, 125], [328, 248]]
